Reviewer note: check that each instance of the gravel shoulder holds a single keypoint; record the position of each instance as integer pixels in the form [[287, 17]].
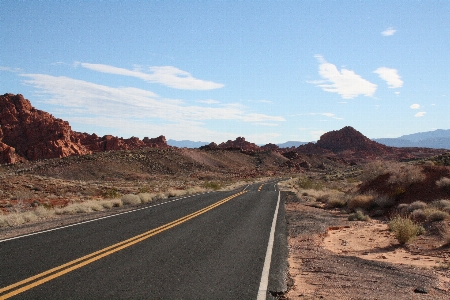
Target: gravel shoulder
[[316, 272]]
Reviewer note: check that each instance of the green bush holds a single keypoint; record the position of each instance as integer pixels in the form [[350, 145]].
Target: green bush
[[404, 229]]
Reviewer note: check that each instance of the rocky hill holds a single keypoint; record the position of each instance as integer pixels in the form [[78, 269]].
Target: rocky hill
[[27, 133], [350, 144]]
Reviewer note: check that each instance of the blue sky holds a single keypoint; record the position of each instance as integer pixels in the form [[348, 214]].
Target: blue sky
[[271, 71]]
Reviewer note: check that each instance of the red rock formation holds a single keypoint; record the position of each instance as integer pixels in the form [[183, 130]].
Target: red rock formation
[[238, 144], [34, 134], [30, 134], [349, 139]]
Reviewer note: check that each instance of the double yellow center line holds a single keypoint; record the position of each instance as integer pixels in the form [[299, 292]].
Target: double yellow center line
[[31, 282]]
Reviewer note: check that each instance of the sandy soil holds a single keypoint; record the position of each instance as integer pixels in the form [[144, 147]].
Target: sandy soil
[[333, 258]]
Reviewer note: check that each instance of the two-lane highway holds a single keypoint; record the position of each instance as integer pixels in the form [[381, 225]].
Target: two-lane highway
[[209, 246]]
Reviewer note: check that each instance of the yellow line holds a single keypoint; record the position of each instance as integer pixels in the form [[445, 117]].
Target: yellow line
[[87, 259]]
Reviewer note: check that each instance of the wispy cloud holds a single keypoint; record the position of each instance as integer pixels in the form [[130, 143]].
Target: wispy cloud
[[87, 98], [346, 83], [415, 106], [420, 114], [390, 76], [388, 32], [325, 114], [166, 75], [208, 101], [9, 69]]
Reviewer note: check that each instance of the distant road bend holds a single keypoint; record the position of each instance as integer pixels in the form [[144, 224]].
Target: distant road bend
[[221, 245]]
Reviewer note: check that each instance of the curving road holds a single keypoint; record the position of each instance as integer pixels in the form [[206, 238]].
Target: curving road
[[208, 246]]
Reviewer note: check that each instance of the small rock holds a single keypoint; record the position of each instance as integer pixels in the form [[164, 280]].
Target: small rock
[[421, 290]]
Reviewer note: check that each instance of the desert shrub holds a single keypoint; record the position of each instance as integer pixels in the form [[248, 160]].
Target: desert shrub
[[358, 216], [404, 229], [43, 212], [435, 215], [442, 204], [174, 193], [419, 215], [110, 193], [444, 183], [360, 201], [372, 170], [404, 174], [213, 185], [305, 182], [403, 207], [336, 201], [384, 201], [194, 190], [131, 199], [146, 197], [416, 205]]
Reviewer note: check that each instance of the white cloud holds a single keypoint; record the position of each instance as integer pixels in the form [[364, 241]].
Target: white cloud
[[166, 75], [87, 98], [346, 83], [388, 32], [316, 134], [415, 106], [9, 69], [390, 76], [420, 114], [208, 101]]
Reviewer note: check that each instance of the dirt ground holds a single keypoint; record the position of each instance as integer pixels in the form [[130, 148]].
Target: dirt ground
[[333, 258]]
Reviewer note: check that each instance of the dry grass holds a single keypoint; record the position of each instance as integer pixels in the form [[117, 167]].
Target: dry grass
[[401, 174], [444, 183], [131, 199], [361, 202]]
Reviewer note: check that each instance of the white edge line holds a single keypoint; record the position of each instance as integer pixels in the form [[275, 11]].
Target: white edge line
[[96, 219], [262, 291]]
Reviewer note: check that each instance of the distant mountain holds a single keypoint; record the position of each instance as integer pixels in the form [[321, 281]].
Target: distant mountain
[[290, 144], [438, 139], [186, 143]]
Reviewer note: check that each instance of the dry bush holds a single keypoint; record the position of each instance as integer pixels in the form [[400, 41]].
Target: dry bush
[[131, 199], [174, 193], [384, 201], [442, 204], [146, 197], [444, 183], [358, 216], [195, 190], [416, 205], [306, 183], [372, 170], [43, 212], [435, 215], [336, 200], [419, 215], [404, 229], [360, 201], [404, 175]]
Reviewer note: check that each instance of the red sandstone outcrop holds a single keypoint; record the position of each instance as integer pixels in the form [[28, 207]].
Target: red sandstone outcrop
[[34, 134], [238, 144], [27, 133], [108, 142]]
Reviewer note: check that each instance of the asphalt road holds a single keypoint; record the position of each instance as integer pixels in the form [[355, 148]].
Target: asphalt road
[[209, 246]]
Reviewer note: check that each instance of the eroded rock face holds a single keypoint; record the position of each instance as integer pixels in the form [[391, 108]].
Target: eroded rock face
[[27, 133], [32, 133]]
